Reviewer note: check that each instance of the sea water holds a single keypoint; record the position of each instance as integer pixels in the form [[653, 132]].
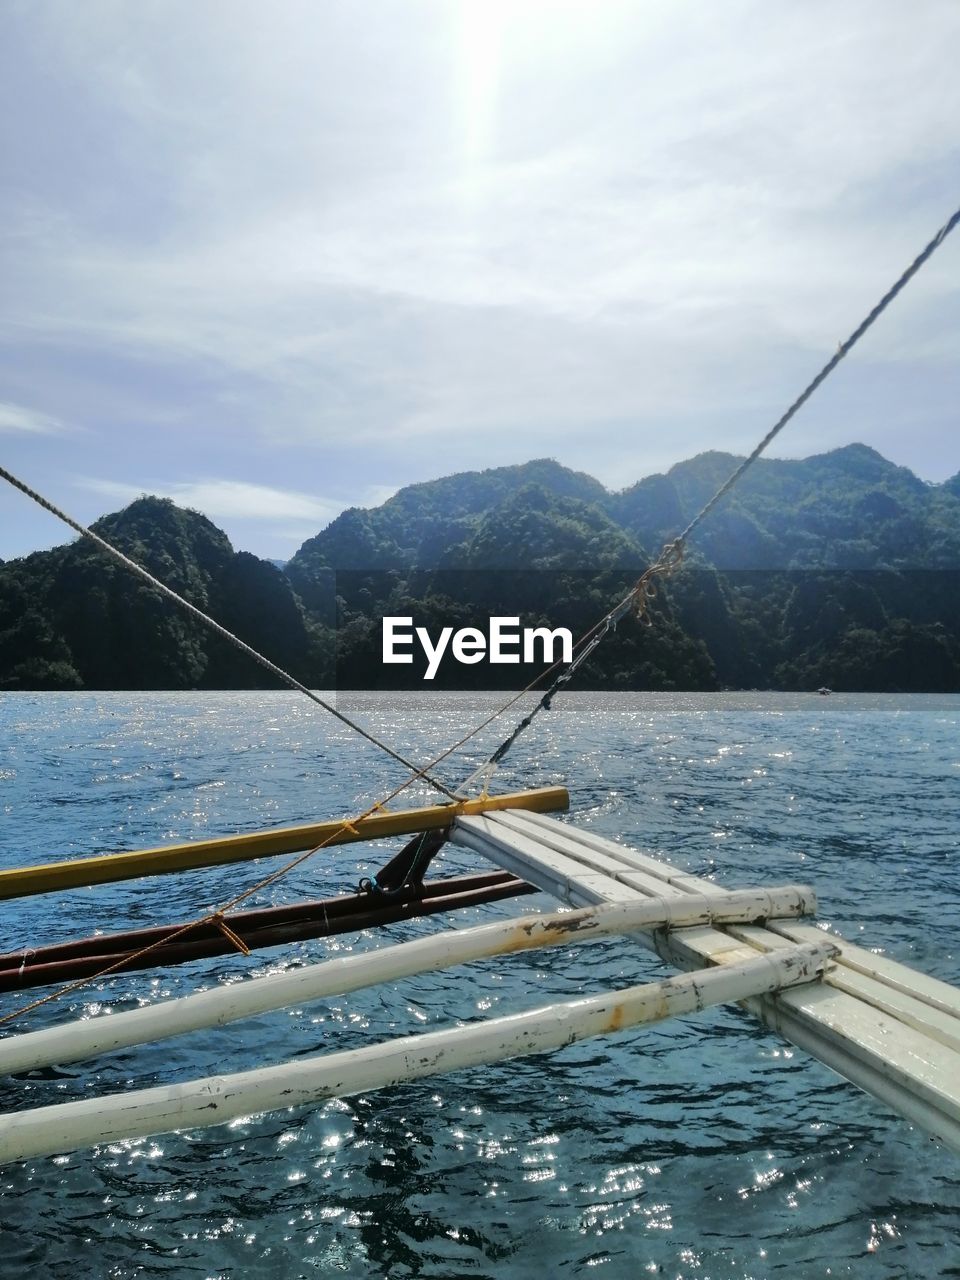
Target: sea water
[[701, 1147]]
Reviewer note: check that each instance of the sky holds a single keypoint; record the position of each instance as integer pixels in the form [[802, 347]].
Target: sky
[[277, 259]]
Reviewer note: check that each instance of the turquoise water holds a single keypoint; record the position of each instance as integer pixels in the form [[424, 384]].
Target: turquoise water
[[700, 1148]]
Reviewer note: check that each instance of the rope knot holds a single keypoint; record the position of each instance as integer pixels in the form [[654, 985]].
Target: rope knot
[[220, 921]]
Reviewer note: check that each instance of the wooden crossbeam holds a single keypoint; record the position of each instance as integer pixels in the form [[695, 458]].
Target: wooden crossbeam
[[73, 873], [890, 1030], [217, 1099], [72, 1041]]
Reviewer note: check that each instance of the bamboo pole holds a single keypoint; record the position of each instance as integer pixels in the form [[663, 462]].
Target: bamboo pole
[[218, 1099], [898, 1055], [21, 882], [69, 1042], [265, 927]]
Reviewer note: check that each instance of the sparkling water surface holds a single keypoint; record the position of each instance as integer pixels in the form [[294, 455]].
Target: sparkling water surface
[[702, 1147]]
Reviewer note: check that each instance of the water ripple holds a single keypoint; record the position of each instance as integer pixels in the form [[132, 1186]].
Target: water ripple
[[701, 1147]]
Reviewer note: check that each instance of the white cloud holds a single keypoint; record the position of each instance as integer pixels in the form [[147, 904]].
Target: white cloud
[[224, 499], [15, 417], [283, 517], [585, 229], [375, 495]]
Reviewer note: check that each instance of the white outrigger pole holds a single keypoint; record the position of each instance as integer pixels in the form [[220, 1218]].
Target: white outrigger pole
[[920, 1081], [70, 1042], [218, 1099]]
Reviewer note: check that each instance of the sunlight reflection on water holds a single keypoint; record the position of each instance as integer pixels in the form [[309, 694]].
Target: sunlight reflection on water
[[699, 1147]]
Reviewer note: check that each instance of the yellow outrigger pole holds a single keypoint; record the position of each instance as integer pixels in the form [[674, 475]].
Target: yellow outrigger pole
[[74, 873]]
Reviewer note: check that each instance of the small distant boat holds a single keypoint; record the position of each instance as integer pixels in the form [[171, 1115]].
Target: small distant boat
[[824, 691]]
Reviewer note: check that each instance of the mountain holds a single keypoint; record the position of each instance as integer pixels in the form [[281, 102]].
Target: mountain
[[72, 617], [839, 569], [801, 556], [415, 527], [847, 509]]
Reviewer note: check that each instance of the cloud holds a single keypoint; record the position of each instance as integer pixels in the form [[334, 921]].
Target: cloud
[[376, 494], [228, 499], [611, 232], [275, 520], [15, 417]]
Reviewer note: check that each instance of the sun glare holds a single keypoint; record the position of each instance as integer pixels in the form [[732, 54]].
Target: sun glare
[[483, 32], [537, 39]]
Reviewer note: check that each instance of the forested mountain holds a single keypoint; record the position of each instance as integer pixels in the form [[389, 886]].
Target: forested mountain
[[849, 509], [841, 569], [73, 617]]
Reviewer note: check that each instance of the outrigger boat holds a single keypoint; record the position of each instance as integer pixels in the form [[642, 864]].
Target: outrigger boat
[[890, 1030], [887, 1028]]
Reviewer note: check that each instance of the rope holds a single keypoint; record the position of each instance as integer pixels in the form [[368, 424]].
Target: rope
[[825, 372], [671, 554], [229, 933], [216, 917], [637, 600], [216, 627]]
